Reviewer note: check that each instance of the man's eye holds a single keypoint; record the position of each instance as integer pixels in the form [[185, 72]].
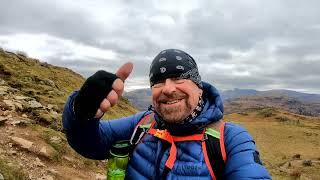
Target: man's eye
[[179, 81], [158, 84]]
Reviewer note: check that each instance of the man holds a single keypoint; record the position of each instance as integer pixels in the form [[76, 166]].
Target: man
[[183, 106]]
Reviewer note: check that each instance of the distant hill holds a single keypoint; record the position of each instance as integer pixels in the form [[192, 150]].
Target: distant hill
[[290, 104], [140, 98], [235, 93], [239, 100], [303, 97]]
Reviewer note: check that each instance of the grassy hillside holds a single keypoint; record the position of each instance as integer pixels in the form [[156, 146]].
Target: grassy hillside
[[288, 143], [32, 146], [46, 83]]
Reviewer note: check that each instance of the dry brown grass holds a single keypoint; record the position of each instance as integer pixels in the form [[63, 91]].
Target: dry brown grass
[[278, 141]]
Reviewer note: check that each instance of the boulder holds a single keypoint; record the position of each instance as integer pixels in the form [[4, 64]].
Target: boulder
[[47, 152], [19, 122], [3, 90], [10, 104], [25, 144], [34, 104], [55, 140], [52, 107], [23, 98]]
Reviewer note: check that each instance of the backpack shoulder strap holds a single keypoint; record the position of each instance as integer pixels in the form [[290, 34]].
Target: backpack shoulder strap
[[141, 128], [215, 149]]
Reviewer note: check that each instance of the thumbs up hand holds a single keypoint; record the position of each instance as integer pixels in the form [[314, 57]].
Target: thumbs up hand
[[100, 91]]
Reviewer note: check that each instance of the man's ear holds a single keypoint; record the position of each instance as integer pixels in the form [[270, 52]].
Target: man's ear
[[200, 92]]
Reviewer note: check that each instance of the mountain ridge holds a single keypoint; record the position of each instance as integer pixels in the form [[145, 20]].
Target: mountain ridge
[[238, 100]]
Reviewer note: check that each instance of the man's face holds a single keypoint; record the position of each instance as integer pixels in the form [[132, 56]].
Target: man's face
[[175, 99]]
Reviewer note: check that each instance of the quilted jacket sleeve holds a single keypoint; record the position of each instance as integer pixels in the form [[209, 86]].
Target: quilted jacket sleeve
[[243, 161], [93, 138]]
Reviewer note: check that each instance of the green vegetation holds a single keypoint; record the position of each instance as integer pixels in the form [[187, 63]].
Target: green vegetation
[[268, 112], [10, 171], [61, 146], [280, 137], [48, 84]]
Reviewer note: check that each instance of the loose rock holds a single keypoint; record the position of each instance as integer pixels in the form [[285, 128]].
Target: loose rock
[[34, 104], [3, 120], [47, 152], [100, 177], [25, 144]]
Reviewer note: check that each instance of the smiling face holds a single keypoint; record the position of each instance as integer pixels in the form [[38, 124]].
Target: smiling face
[[175, 99]]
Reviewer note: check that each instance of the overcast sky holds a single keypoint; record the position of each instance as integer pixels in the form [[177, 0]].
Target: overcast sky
[[237, 44]]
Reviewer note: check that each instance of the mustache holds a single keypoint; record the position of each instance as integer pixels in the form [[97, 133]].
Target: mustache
[[173, 96]]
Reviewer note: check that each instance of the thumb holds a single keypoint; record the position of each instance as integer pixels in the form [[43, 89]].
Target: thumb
[[124, 71]]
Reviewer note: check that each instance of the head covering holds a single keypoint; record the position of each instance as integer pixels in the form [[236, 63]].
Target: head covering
[[174, 63]]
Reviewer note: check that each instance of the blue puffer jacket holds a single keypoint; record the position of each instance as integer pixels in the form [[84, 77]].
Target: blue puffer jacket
[[93, 139]]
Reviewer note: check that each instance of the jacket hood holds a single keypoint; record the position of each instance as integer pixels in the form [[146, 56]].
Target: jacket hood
[[212, 112]]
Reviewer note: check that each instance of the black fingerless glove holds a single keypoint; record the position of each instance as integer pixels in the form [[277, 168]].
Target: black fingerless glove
[[91, 94]]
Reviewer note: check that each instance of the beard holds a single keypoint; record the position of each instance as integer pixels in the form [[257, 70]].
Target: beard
[[173, 113]]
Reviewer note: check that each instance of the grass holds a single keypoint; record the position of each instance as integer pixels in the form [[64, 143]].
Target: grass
[[60, 147], [11, 171], [279, 140], [48, 84], [63, 149]]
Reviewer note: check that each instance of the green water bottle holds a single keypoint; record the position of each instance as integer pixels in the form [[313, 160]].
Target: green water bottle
[[118, 160]]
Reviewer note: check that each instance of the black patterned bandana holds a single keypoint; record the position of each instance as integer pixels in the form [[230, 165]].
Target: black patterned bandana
[[174, 63]]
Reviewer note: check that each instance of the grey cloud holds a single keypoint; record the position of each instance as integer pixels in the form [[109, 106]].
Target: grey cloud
[[36, 16], [279, 37]]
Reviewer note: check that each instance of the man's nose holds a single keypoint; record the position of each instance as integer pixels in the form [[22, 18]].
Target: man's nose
[[169, 87]]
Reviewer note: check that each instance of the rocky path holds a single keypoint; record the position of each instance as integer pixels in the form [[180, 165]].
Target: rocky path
[[31, 151]]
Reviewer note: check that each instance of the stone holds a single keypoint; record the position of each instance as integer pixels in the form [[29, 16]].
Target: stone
[[4, 90], [2, 82], [49, 82], [18, 106], [39, 163], [21, 123], [46, 177], [13, 152], [54, 113], [50, 106], [100, 176], [47, 152], [24, 115], [55, 139], [23, 98], [307, 163], [6, 113], [3, 120], [25, 144], [10, 104], [53, 172], [305, 177], [70, 159], [296, 156], [1, 177], [34, 104]]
